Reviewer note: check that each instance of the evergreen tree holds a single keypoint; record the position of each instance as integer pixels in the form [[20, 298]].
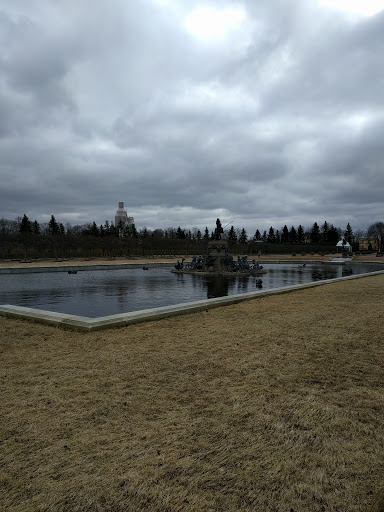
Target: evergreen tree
[[315, 233], [257, 235], [232, 235], [292, 236], [53, 226], [285, 235], [264, 238], [271, 235], [206, 234], [25, 233], [180, 234], [25, 225], [348, 234], [300, 234], [198, 235], [94, 230], [333, 234], [324, 232], [243, 237], [36, 228]]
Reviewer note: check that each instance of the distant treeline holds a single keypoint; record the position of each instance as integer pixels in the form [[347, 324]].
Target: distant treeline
[[26, 239]]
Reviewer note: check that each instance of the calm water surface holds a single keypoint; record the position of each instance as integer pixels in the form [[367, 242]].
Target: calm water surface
[[108, 292]]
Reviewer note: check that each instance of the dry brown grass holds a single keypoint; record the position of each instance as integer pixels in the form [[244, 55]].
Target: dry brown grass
[[274, 404], [116, 261], [82, 261], [96, 261]]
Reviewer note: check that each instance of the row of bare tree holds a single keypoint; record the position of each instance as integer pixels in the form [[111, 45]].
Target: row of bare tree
[[23, 238]]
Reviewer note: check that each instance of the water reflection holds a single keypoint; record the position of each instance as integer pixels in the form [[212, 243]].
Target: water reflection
[[108, 292], [217, 286]]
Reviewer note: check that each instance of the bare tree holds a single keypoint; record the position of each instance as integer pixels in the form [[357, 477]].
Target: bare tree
[[376, 231]]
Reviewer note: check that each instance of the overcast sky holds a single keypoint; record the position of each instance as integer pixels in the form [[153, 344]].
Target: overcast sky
[[260, 112]]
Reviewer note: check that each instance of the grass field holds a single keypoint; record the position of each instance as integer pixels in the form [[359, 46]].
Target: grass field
[[275, 404], [94, 261]]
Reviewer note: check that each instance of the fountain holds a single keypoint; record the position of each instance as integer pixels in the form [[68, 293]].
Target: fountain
[[345, 249], [218, 261]]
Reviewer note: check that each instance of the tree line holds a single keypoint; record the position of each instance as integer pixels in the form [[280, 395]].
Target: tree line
[[24, 238]]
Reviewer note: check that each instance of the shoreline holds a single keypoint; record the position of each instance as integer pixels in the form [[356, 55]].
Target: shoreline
[[147, 260]]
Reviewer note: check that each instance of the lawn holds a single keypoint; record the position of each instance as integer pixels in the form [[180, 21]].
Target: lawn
[[274, 404]]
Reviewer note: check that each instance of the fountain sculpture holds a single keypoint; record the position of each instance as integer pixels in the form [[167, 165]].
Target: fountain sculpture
[[218, 260]]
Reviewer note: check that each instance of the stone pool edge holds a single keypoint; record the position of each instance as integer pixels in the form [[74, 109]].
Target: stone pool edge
[[85, 324], [79, 268]]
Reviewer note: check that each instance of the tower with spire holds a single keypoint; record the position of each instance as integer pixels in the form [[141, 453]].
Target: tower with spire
[[122, 216]]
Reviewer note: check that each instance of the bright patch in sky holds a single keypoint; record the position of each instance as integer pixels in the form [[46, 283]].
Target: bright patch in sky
[[359, 120], [209, 23], [365, 7]]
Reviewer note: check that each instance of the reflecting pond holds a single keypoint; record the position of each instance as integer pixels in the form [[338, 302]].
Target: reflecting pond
[[107, 292]]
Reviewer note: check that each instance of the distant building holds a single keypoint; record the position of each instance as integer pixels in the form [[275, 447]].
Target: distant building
[[122, 216], [343, 244], [367, 244]]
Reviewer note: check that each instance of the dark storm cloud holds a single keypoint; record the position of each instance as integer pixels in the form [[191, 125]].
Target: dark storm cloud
[[271, 116]]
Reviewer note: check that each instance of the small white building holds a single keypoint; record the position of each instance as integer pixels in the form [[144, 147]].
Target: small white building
[[343, 245]]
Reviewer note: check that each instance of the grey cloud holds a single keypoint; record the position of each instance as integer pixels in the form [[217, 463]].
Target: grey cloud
[[278, 123]]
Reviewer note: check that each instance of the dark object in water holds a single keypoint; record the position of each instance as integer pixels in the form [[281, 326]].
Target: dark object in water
[[180, 266], [317, 275], [72, 271], [145, 268], [259, 283]]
